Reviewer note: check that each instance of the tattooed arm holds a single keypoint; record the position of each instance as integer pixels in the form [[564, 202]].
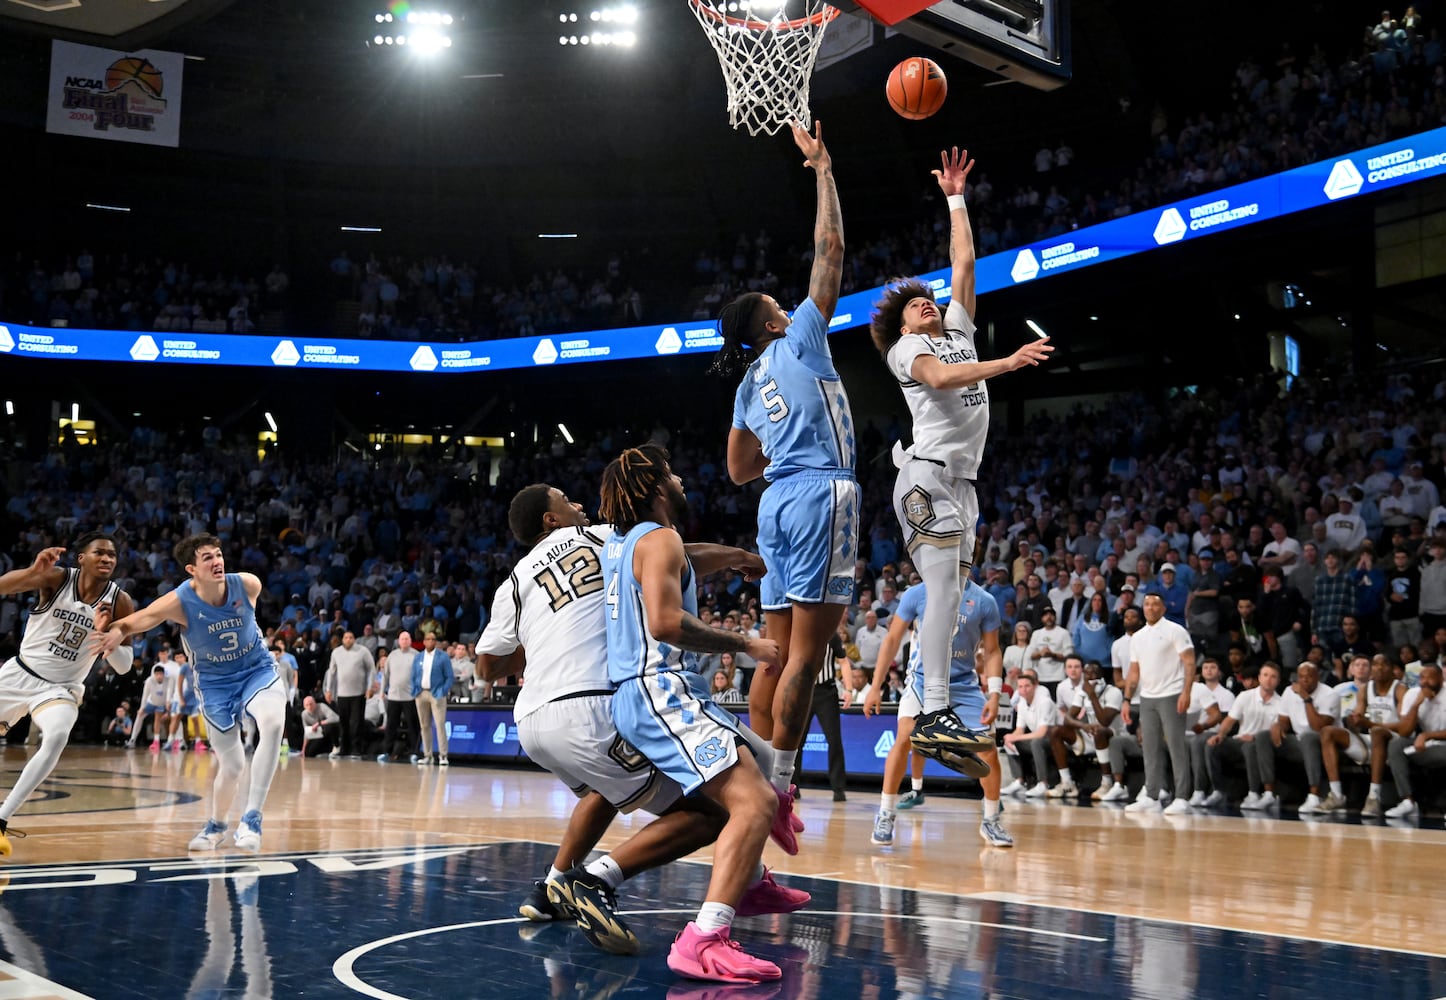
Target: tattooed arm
[[659, 561], [828, 241]]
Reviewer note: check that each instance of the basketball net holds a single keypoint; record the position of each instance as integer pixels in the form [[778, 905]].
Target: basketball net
[[767, 58]]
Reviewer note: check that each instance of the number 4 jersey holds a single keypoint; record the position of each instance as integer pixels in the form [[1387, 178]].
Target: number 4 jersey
[[55, 634], [553, 606]]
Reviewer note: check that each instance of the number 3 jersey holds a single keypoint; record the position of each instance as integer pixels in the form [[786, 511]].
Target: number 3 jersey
[[222, 642], [56, 632], [793, 401], [950, 425], [553, 606]]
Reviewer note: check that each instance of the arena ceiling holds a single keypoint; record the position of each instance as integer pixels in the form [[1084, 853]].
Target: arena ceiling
[[129, 24]]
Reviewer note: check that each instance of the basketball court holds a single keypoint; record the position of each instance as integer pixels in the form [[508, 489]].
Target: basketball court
[[395, 881]]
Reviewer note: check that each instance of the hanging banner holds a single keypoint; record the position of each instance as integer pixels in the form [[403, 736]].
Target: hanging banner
[[105, 94]]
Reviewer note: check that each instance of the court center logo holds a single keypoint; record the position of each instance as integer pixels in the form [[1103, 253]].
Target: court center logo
[[546, 352], [145, 349], [1171, 228], [1344, 181], [1026, 266]]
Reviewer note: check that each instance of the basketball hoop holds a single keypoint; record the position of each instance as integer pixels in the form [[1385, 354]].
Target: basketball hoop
[[766, 60]]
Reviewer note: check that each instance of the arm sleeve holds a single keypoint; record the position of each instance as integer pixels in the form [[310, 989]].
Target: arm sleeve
[[122, 659]]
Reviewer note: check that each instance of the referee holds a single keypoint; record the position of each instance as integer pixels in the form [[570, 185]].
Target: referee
[[825, 708]]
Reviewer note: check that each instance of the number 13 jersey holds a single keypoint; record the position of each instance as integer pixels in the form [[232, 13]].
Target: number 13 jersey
[[56, 632], [553, 606]]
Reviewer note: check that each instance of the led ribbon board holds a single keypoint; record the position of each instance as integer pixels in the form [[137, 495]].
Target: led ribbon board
[[1381, 167]]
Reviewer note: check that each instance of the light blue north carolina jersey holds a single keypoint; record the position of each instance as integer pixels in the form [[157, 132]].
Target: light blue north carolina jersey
[[632, 650], [793, 401], [978, 614], [224, 641]]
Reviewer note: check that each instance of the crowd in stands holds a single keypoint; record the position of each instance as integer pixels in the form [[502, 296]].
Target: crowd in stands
[[1271, 115], [1283, 526]]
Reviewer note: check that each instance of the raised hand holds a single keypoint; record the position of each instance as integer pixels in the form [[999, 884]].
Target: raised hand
[[955, 171], [47, 558], [812, 146], [1032, 353]]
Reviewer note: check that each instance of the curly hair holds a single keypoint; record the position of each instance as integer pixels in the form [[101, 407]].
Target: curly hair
[[738, 325], [629, 484], [888, 315]]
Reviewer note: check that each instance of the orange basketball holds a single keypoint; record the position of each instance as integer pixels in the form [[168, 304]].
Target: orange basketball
[[917, 88], [134, 68]]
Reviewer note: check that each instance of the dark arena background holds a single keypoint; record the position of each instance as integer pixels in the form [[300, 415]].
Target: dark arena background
[[272, 272]]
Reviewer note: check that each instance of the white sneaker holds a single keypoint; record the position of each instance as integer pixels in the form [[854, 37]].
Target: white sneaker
[[248, 831], [1015, 787], [1141, 794], [1064, 791], [1143, 805], [1311, 804], [1405, 809], [1197, 800], [1115, 793], [1251, 801], [1333, 803], [1177, 807], [1214, 799], [1099, 793], [335, 753], [1268, 801], [209, 838], [1039, 791], [442, 761]]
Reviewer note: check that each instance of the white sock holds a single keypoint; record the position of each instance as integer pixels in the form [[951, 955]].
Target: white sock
[[1106, 782], [553, 873], [1375, 791], [607, 869], [888, 803], [783, 772], [1336, 789], [917, 784], [940, 570], [1066, 779], [991, 808], [714, 917]]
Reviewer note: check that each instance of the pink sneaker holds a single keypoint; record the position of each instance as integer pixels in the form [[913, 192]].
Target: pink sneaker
[[155, 746], [713, 955], [786, 826], [201, 746], [767, 896]]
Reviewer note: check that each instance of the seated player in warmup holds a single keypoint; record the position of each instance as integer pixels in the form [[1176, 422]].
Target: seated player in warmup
[[46, 679], [153, 706], [977, 634], [235, 675], [552, 612], [661, 707], [933, 356]]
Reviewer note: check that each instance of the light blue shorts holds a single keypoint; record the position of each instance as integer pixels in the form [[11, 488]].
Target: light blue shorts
[[671, 721], [224, 699], [808, 535], [965, 697]]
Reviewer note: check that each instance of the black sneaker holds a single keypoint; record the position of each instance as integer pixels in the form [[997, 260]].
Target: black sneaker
[[537, 907], [594, 905], [942, 730]]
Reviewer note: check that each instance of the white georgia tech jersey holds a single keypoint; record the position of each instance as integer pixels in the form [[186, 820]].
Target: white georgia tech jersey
[[54, 646], [950, 425], [554, 607]]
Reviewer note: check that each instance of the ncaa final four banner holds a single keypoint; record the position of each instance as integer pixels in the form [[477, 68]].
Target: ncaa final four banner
[[104, 94]]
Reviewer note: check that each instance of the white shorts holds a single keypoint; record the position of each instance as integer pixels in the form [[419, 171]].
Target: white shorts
[[935, 508], [575, 739], [1359, 748], [21, 693]]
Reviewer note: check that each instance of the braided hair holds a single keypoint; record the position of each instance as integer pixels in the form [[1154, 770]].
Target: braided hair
[[736, 324], [888, 317], [629, 484]]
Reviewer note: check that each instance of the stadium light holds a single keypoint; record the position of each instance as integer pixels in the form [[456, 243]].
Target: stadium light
[[74, 412], [567, 435], [427, 35], [9, 407], [605, 18], [271, 421], [1038, 330]]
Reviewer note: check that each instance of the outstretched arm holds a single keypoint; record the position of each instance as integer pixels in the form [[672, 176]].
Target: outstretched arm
[[41, 575], [951, 178], [828, 241], [167, 608], [708, 558]]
